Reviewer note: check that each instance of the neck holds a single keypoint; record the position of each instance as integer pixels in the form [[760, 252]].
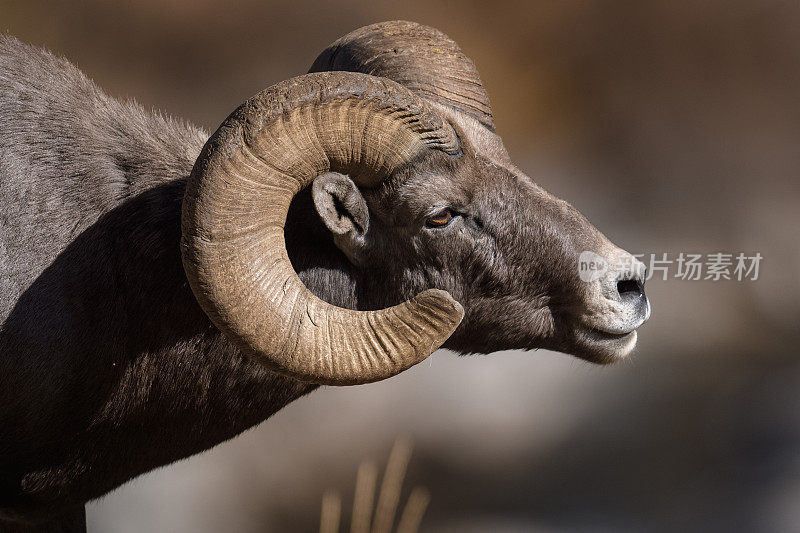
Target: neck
[[166, 383]]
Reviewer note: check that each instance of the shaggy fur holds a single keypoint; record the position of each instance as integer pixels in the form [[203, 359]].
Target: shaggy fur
[[108, 366]]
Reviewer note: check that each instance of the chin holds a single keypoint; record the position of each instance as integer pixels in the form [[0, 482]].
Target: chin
[[602, 348]]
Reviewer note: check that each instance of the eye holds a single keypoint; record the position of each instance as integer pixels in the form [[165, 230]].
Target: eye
[[439, 219]]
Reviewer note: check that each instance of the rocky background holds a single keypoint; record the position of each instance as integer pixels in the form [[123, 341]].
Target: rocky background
[[673, 125]]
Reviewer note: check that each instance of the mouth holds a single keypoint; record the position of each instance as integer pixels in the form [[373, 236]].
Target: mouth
[[603, 334], [605, 341], [602, 346]]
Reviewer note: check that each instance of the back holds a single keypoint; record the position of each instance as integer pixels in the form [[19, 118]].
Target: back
[[68, 154], [71, 156]]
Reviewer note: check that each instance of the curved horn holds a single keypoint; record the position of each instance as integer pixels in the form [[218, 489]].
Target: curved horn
[[418, 57], [235, 207]]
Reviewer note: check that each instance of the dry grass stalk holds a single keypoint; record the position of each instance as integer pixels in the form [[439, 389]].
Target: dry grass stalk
[[366, 481], [331, 513], [415, 508], [388, 499], [391, 486]]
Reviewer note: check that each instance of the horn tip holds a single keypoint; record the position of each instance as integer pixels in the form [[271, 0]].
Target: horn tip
[[446, 303]]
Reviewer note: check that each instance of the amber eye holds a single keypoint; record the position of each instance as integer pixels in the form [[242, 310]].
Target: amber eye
[[439, 219]]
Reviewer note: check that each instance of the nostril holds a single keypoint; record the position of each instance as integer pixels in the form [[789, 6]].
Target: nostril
[[630, 288]]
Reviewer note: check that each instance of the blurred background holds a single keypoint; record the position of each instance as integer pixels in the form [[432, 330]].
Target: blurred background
[[674, 126]]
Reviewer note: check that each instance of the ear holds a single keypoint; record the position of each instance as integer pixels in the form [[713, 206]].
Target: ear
[[343, 211]]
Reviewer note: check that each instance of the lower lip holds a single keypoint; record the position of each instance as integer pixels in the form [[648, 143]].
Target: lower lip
[[609, 341], [609, 336], [603, 347]]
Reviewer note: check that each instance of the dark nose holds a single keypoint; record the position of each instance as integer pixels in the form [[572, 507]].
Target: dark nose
[[631, 293], [620, 294], [631, 289]]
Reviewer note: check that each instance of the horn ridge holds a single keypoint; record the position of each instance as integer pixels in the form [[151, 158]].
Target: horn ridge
[[235, 206], [419, 57]]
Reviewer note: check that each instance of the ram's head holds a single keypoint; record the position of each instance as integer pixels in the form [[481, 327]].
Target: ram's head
[[395, 132]]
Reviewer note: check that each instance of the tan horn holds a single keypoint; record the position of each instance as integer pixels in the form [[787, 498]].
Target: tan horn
[[235, 208], [420, 58]]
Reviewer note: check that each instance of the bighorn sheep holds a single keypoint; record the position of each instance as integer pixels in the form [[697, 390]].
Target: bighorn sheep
[[162, 290]]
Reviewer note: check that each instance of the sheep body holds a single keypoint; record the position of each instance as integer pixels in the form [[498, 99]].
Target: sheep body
[[108, 367]]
